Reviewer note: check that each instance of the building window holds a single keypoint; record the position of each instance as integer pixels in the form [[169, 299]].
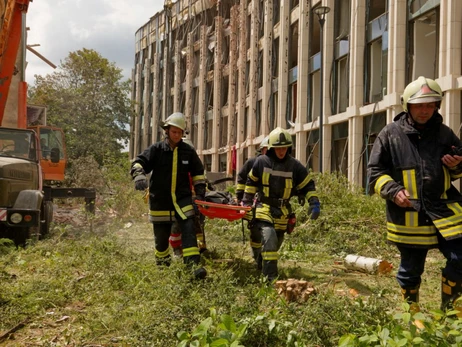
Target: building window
[[423, 48], [341, 56], [371, 128], [377, 51], [312, 152], [340, 148]]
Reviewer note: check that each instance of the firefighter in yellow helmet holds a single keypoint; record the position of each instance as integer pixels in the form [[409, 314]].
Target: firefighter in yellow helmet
[[277, 176], [412, 164], [255, 238], [171, 162]]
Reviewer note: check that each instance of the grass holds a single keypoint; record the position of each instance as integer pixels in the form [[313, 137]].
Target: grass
[[98, 284]]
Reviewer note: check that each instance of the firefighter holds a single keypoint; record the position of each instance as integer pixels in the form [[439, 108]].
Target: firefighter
[[277, 176], [170, 163], [255, 236], [199, 223], [411, 166]]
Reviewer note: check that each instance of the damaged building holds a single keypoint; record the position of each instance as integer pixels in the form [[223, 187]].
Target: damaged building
[[238, 69]]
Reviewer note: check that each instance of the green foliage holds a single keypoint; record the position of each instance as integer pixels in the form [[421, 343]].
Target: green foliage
[[439, 329], [104, 278], [214, 331], [87, 99]]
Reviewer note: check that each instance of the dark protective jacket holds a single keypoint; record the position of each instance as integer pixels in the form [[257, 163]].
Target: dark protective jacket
[[242, 177], [169, 185], [276, 181], [404, 157]]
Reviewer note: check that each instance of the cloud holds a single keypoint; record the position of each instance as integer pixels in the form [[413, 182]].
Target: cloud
[[64, 26]]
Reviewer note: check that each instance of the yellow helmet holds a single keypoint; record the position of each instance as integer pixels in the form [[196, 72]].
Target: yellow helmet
[[264, 143], [176, 119], [279, 138], [420, 91], [188, 141]]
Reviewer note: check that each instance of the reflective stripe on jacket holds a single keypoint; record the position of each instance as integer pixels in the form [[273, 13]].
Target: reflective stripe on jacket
[[406, 158], [277, 180], [169, 185]]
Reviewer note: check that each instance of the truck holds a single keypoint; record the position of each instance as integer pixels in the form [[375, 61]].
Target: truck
[[32, 154]]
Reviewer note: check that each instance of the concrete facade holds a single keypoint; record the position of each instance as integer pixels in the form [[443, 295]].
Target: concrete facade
[[239, 68]]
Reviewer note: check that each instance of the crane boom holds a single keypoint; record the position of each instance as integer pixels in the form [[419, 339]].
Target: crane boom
[[12, 31]]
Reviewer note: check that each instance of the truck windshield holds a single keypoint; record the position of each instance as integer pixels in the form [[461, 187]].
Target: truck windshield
[[16, 143]]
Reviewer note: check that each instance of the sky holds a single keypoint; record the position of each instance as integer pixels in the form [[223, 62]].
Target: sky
[[106, 26]]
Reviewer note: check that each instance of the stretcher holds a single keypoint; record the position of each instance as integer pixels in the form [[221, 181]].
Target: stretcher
[[223, 211]]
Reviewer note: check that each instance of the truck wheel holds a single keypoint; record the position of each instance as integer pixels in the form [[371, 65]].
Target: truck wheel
[[20, 236], [46, 217]]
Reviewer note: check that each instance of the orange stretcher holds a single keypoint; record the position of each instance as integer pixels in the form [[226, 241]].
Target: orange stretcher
[[213, 210]]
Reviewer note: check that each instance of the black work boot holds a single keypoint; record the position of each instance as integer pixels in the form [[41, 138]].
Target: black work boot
[[451, 291], [200, 273]]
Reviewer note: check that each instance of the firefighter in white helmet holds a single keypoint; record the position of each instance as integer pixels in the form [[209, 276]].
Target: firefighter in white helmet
[[171, 162], [255, 236], [277, 176], [412, 164]]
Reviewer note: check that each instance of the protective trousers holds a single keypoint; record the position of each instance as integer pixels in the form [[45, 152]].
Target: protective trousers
[[413, 263], [191, 253], [255, 244], [271, 241]]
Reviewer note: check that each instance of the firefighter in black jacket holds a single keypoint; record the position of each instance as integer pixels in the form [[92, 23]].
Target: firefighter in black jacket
[[170, 163], [255, 235], [277, 176], [412, 165]]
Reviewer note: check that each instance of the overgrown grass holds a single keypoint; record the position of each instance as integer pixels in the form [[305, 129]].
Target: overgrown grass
[[100, 286]]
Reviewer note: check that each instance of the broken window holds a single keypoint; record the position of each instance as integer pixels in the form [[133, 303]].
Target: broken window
[[258, 117], [340, 148], [341, 56], [423, 48], [371, 128], [208, 162], [312, 153], [273, 110], [377, 51], [223, 132], [293, 4], [293, 45], [276, 11]]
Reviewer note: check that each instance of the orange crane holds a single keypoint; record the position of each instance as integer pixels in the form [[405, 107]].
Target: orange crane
[[32, 157]]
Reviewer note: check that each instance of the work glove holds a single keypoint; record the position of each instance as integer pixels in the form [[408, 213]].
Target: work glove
[[141, 183], [301, 200], [314, 208]]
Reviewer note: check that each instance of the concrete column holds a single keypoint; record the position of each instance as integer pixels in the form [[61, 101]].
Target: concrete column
[[253, 86], [267, 68], [232, 67], [165, 89], [137, 130], [328, 56], [357, 46], [156, 111], [283, 78], [450, 58], [242, 60], [397, 20], [146, 101], [217, 79], [355, 124], [177, 78], [202, 87], [302, 85], [189, 81]]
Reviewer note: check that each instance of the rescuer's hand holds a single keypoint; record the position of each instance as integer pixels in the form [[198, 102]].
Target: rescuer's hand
[[301, 200], [141, 183], [314, 208]]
